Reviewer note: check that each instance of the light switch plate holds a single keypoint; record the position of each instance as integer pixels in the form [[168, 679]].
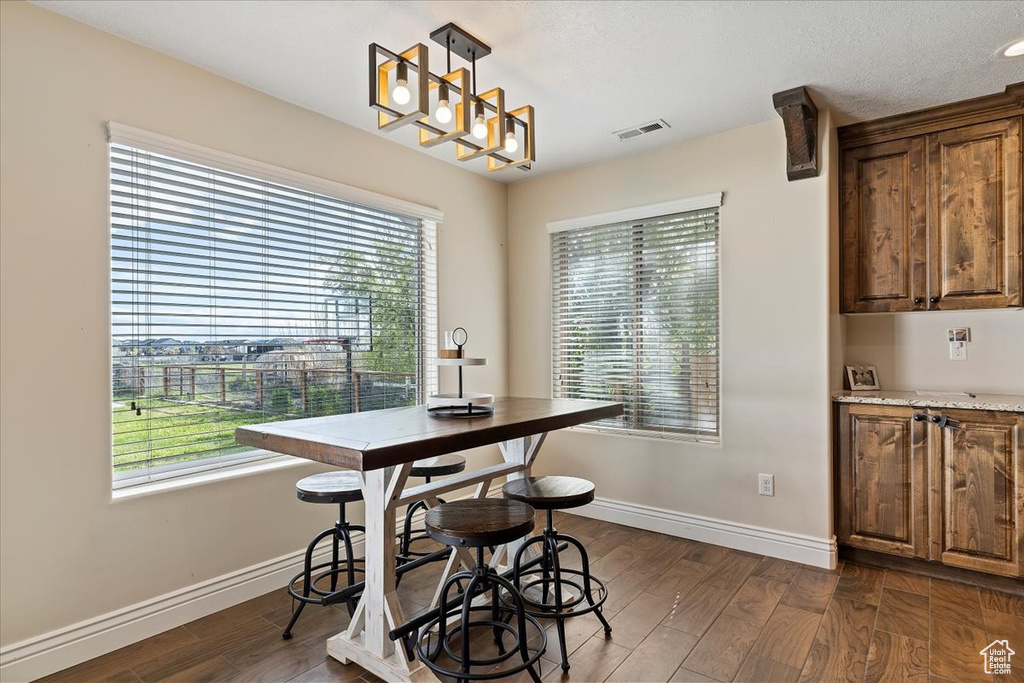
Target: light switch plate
[[958, 350]]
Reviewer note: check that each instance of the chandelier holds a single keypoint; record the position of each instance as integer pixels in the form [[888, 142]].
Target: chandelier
[[478, 123]]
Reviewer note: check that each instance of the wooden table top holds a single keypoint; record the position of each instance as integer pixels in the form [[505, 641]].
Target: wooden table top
[[382, 438]]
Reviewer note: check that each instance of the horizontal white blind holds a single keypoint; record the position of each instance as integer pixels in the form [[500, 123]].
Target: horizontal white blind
[[636, 319], [237, 300]]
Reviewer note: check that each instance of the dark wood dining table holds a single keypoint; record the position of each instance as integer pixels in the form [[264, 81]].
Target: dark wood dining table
[[382, 445]]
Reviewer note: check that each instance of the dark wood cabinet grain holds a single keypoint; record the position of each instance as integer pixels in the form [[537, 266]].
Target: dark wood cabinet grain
[[977, 491], [930, 209], [950, 491], [884, 222], [975, 216], [882, 480]]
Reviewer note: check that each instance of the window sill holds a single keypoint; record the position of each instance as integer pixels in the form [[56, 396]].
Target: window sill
[[209, 477], [712, 441]]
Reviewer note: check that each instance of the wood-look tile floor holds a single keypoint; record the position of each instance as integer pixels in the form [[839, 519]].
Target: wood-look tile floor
[[680, 610]]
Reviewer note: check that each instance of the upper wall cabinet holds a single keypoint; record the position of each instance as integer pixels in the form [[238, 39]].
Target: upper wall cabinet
[[931, 208], [884, 189], [974, 218]]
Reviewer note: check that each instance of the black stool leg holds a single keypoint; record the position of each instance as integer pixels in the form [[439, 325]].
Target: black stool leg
[[545, 564], [306, 580], [442, 619], [407, 527], [350, 569], [495, 617], [334, 547], [467, 602], [524, 650], [551, 541], [585, 560]]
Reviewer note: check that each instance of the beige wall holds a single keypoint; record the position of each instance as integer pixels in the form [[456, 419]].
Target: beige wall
[[775, 349], [61, 83], [911, 350]]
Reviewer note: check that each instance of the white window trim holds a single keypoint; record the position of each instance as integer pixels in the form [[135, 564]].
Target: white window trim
[[267, 463], [637, 213], [711, 200], [250, 461]]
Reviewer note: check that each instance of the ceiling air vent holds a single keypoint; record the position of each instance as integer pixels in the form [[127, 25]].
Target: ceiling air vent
[[643, 128]]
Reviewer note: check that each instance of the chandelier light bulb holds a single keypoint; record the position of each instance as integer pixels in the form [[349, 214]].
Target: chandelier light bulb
[[443, 113], [511, 144], [401, 94], [480, 126]]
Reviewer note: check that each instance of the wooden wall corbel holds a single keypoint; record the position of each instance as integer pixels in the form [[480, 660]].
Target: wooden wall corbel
[[800, 119]]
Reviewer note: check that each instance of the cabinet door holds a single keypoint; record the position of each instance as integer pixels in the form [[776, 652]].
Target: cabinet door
[[882, 479], [884, 227], [974, 220], [976, 483]]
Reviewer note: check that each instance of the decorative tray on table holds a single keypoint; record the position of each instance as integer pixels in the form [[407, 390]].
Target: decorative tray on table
[[462, 404]]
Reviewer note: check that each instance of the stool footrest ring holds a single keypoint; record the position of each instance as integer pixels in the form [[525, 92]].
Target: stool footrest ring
[[318, 594], [431, 646]]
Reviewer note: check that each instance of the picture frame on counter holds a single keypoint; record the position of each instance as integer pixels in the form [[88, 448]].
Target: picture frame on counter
[[862, 378]]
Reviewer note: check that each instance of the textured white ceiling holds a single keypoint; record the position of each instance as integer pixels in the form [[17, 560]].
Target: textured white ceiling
[[593, 67]]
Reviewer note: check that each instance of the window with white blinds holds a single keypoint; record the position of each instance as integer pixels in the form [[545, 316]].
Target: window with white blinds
[[239, 300], [636, 320]]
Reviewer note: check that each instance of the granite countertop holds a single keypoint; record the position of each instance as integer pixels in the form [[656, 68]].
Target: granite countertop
[[1009, 403]]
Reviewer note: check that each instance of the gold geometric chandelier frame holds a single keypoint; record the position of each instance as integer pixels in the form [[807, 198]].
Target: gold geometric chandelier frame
[[492, 102], [458, 81], [495, 131], [524, 117], [389, 118]]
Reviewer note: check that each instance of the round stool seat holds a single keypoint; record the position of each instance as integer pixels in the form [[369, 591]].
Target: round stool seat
[[479, 522], [438, 466], [550, 493], [329, 487]]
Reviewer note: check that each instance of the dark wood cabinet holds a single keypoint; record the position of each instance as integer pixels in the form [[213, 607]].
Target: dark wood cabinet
[[975, 216], [935, 484], [930, 212], [884, 189], [977, 519], [882, 480]]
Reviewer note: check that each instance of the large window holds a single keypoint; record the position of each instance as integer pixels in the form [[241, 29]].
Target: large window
[[239, 299], [636, 319]]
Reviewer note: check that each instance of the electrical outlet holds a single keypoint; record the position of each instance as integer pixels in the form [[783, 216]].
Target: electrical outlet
[[766, 484], [958, 350]]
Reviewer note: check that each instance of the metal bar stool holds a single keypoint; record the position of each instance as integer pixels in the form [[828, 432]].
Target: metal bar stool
[[330, 487], [550, 494], [427, 468], [479, 523]]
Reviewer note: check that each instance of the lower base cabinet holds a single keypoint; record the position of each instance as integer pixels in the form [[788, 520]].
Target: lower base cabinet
[[936, 484]]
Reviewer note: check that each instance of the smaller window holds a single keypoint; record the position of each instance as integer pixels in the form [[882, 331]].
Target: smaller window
[[636, 320]]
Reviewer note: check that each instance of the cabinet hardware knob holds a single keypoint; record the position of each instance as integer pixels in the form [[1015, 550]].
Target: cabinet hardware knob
[[919, 417], [918, 300], [936, 419], [934, 299]]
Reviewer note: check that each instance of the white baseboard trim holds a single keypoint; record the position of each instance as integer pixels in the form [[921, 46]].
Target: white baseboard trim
[[819, 552], [57, 650]]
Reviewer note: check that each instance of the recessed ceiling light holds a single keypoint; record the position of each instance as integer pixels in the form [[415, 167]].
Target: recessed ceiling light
[[1014, 49]]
